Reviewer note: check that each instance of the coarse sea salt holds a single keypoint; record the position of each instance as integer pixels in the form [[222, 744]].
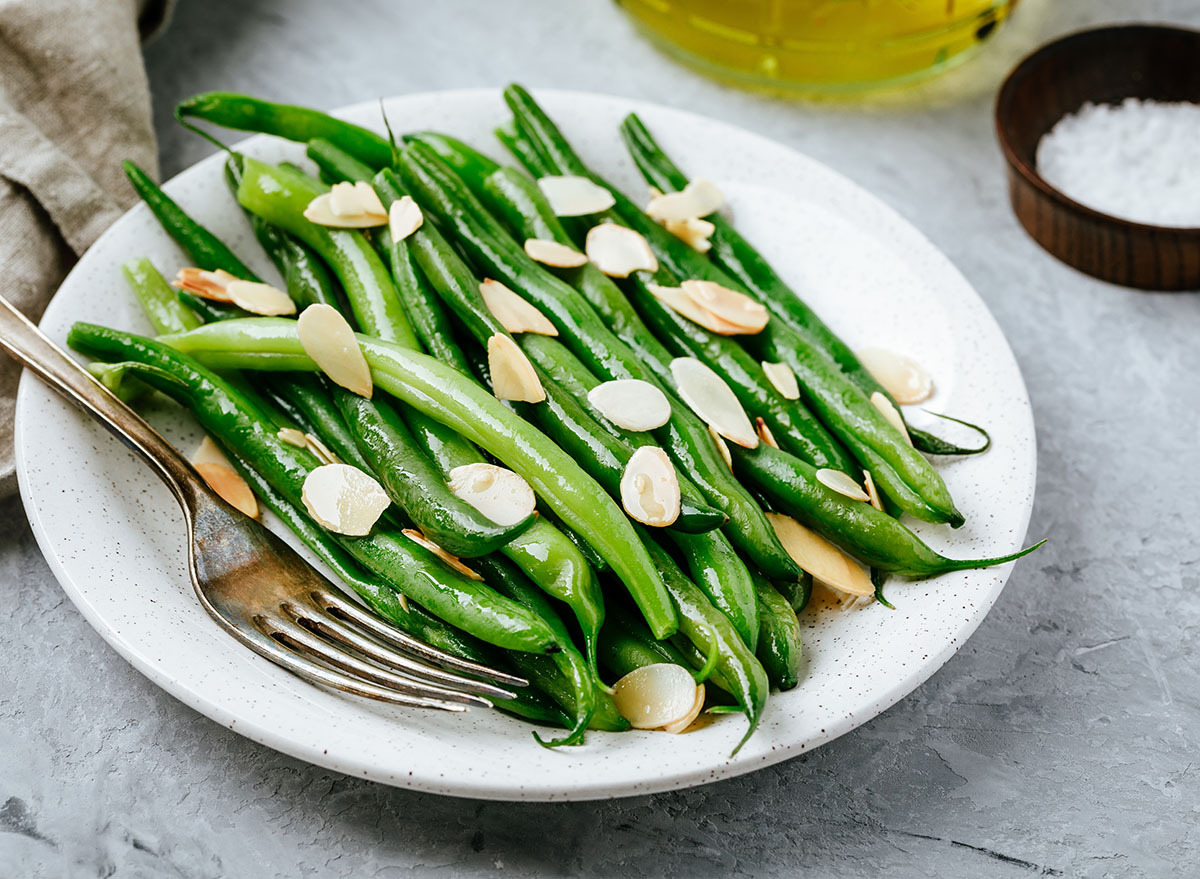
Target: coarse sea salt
[[1138, 160]]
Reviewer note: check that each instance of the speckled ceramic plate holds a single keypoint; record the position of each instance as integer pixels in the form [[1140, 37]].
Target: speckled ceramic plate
[[114, 537]]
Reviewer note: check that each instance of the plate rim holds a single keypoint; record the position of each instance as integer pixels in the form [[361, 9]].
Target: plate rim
[[719, 768]]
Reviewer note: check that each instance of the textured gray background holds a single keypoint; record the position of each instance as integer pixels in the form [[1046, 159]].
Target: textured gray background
[[1063, 740]]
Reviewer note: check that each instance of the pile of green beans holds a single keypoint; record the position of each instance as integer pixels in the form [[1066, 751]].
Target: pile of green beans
[[576, 593]]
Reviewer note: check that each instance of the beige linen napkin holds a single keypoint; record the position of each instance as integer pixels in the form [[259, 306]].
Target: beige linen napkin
[[74, 102]]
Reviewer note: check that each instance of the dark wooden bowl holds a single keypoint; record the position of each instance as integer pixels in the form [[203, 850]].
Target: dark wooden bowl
[[1101, 66]]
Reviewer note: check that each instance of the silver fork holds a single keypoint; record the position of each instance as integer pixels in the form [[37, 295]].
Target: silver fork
[[254, 585]]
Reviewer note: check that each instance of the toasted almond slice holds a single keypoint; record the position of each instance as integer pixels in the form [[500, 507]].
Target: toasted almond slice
[[205, 284], [551, 253], [764, 433], [347, 206], [688, 719], [230, 487], [710, 398], [729, 305], [366, 199], [869, 481], [650, 488], [293, 437], [722, 447], [500, 494], [344, 499], [328, 339], [404, 218], [784, 380], [655, 695], [514, 313], [901, 376], [208, 452], [320, 451], [698, 199], [631, 403], [819, 557], [694, 233], [680, 302], [258, 298], [513, 376], [836, 480], [573, 196], [450, 559], [618, 251], [891, 413], [214, 468]]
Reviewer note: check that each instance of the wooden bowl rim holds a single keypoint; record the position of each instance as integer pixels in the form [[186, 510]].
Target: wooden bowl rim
[[1003, 123]]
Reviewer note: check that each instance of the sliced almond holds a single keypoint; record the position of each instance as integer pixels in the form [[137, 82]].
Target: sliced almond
[[710, 398], [688, 719], [891, 413], [784, 380], [551, 253], [729, 305], [764, 433], [500, 494], [722, 447], [573, 196], [404, 218], [450, 559], [293, 437], [619, 251], [221, 286], [650, 488], [513, 376], [320, 451], [344, 499], [214, 468], [347, 206], [205, 284], [631, 404], [329, 340], [514, 313], [208, 452], [230, 487], [655, 695], [836, 480], [819, 557], [901, 376], [872, 492], [694, 233], [258, 298], [698, 199], [681, 303]]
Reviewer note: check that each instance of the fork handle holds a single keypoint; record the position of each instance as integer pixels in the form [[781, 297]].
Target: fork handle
[[30, 347]]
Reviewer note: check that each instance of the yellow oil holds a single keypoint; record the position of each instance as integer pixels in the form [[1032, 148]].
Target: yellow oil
[[820, 46]]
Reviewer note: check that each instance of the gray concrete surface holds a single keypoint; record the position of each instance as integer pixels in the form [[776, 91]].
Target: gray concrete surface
[[1063, 740]]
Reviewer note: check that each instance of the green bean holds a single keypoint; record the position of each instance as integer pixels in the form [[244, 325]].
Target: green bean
[[874, 537], [336, 163], [779, 644], [283, 120], [164, 311], [709, 630], [202, 247], [512, 584]]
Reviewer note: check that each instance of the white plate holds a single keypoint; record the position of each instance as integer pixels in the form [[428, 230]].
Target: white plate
[[114, 537]]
